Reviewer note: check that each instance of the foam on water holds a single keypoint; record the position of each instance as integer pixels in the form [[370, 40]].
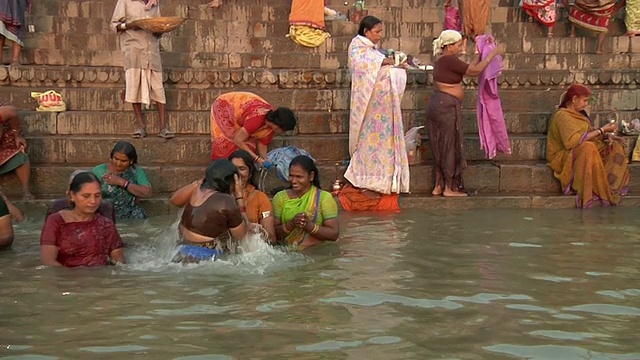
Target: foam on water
[[254, 256]]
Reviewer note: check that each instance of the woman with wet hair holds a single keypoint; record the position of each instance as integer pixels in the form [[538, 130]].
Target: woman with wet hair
[[305, 215], [259, 209], [81, 236], [215, 215], [124, 182]]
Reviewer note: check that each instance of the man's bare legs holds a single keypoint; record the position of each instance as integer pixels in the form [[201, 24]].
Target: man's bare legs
[[215, 3], [601, 37], [16, 49], [141, 130], [164, 129]]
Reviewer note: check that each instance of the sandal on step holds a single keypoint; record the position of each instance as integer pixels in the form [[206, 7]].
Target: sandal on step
[[139, 133], [166, 134]]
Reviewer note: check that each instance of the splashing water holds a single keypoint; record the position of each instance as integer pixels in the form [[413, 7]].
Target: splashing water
[[255, 255]]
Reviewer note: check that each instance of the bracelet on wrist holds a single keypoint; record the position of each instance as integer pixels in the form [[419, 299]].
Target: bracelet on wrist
[[285, 229], [126, 185], [239, 198], [315, 229]]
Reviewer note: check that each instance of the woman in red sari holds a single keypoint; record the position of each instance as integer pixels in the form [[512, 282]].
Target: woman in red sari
[[13, 148], [543, 11], [81, 236], [593, 15], [243, 120]]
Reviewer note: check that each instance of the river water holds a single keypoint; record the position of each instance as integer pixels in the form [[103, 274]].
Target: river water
[[481, 284]]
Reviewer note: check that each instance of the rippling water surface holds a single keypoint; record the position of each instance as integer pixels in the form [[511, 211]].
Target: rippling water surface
[[483, 284]]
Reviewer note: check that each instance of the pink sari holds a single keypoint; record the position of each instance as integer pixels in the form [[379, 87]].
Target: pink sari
[[491, 124]]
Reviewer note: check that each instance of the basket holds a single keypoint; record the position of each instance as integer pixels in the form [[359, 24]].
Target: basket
[[159, 24]]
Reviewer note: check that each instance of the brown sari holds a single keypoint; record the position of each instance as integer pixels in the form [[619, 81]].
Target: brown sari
[[595, 170], [446, 138]]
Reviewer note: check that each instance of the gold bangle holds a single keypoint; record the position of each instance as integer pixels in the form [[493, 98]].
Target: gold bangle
[[315, 229], [285, 229]]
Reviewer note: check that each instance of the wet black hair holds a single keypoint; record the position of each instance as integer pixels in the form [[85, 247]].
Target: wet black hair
[[126, 148], [248, 161], [309, 166], [368, 23], [219, 176], [81, 179], [283, 117]]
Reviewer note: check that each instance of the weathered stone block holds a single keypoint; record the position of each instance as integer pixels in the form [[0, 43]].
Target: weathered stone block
[[515, 178], [46, 150], [323, 122], [485, 177], [542, 179], [38, 123], [312, 99]]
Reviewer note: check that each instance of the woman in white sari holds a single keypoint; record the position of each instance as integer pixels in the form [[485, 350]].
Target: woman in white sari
[[376, 135]]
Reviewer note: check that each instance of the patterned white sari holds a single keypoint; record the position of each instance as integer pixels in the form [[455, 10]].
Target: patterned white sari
[[376, 135]]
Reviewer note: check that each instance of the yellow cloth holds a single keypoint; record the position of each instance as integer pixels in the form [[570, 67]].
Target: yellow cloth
[[306, 21], [307, 36], [596, 171], [632, 16]]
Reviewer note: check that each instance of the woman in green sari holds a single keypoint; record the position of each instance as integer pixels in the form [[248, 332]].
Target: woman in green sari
[[305, 215], [124, 182]]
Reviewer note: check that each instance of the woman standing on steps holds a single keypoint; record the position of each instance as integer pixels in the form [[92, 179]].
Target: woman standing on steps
[[632, 17], [543, 11], [444, 112], [592, 15], [376, 134], [475, 17], [12, 24]]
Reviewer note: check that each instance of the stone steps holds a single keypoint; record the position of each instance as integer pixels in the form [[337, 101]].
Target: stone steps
[[196, 149], [574, 56], [197, 122], [101, 88], [500, 177]]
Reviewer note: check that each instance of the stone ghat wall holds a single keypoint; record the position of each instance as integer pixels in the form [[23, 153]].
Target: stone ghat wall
[[251, 34], [241, 46]]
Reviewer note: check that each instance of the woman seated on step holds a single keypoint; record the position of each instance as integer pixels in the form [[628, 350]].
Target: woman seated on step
[[590, 162], [13, 149], [124, 182], [259, 209], [81, 236], [215, 215], [105, 209], [304, 214]]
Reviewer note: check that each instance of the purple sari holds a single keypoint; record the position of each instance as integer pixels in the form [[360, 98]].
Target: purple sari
[[491, 125]]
